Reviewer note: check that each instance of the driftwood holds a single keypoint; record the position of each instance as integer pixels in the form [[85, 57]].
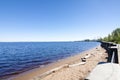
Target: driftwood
[[60, 67], [52, 71], [88, 55], [81, 63]]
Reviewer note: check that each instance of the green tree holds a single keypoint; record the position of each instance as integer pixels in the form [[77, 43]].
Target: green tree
[[116, 35], [113, 37]]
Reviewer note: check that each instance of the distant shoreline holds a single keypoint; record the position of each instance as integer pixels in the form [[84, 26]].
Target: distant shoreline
[[49, 41]]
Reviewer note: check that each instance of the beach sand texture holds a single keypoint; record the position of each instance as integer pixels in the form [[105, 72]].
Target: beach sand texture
[[69, 68]]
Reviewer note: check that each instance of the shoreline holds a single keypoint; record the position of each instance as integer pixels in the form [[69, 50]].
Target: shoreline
[[38, 71]]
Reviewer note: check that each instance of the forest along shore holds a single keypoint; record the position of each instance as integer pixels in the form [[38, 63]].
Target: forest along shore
[[72, 68]]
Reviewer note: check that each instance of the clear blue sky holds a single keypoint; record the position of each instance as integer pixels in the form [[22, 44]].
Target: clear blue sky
[[57, 20]]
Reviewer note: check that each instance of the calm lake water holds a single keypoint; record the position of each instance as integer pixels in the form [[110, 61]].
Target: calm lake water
[[16, 57]]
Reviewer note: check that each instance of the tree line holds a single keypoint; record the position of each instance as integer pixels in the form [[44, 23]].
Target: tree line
[[113, 37]]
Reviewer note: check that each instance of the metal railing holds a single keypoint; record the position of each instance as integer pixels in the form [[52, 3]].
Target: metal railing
[[113, 57]]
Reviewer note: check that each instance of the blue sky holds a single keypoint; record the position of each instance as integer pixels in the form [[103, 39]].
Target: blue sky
[[57, 20]]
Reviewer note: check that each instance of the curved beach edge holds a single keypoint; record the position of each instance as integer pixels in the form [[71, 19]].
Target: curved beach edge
[[66, 69]]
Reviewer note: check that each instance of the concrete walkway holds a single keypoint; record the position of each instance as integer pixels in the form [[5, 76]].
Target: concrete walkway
[[107, 71]]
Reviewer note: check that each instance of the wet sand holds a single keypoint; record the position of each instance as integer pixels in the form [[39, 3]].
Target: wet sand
[[66, 69]]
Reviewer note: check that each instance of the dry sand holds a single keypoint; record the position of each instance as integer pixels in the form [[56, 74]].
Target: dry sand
[[79, 72]]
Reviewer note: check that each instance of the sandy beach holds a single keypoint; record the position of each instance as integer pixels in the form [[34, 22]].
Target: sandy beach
[[71, 68]]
